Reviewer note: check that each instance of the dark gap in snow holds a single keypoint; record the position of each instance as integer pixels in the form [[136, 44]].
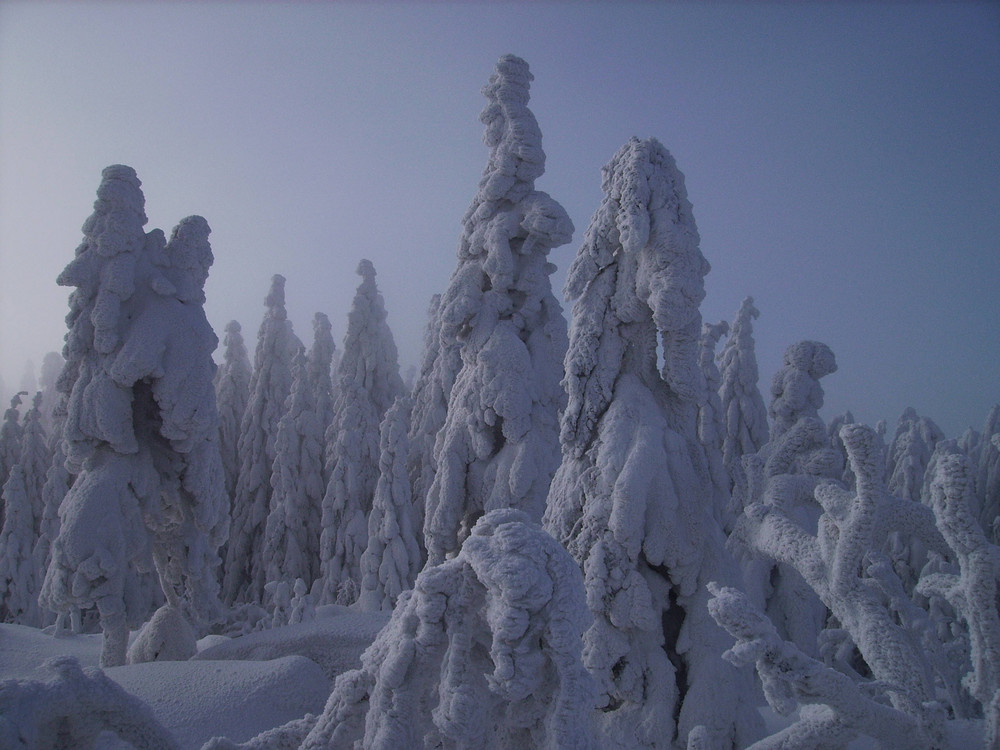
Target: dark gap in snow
[[673, 620]]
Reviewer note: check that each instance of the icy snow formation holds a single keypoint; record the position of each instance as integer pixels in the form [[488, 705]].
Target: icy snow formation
[[795, 389], [499, 447], [392, 559], [633, 499], [484, 652], [841, 562], [910, 452], [270, 385], [369, 383], [18, 574], [10, 439], [141, 426]]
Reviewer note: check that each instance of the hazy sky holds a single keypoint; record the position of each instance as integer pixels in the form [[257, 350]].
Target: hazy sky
[[843, 161]]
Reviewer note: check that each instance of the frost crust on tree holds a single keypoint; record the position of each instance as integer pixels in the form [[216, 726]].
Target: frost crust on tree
[[232, 391], [634, 499], [498, 447]]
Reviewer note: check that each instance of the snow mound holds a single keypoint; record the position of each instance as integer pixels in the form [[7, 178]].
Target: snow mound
[[23, 649], [334, 643], [197, 700]]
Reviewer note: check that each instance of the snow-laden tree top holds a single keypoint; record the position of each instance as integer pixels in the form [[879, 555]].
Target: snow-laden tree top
[[623, 299]]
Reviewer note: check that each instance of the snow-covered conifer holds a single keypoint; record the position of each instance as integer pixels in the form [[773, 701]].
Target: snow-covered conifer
[[232, 391], [795, 389], [56, 485], [52, 365], [141, 424], [318, 369], [632, 500], [988, 476], [18, 574], [499, 445], [909, 453], [369, 383], [743, 407], [270, 385], [392, 559], [483, 652], [10, 439], [35, 460], [291, 535]]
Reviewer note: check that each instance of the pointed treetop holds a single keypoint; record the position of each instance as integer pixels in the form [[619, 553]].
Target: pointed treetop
[[276, 296], [366, 270]]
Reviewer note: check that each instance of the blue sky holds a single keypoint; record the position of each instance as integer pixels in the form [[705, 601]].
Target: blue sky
[[842, 160]]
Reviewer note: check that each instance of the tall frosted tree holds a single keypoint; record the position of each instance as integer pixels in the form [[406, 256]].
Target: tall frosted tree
[[52, 365], [270, 385], [319, 364], [499, 445], [10, 439], [745, 415], [35, 459], [633, 498], [909, 453], [291, 535], [232, 391], [392, 559], [369, 383], [18, 574], [141, 426], [987, 482]]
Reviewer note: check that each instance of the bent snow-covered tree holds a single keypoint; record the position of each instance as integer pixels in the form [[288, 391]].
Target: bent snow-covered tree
[[633, 498], [499, 445], [142, 427]]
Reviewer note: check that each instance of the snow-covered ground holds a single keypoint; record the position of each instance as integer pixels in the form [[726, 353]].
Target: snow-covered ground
[[235, 688]]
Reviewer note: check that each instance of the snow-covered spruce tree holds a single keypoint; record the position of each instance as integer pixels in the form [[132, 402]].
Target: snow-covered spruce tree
[[319, 364], [369, 383], [711, 422], [270, 385], [232, 391], [10, 439], [18, 574], [291, 534], [633, 498], [843, 564], [52, 365], [988, 476], [909, 453], [484, 652], [745, 415], [141, 425], [56, 485], [974, 591], [392, 559], [438, 368], [499, 445], [795, 389], [36, 459]]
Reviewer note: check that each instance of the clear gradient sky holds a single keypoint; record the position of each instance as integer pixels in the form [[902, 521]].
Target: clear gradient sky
[[843, 161]]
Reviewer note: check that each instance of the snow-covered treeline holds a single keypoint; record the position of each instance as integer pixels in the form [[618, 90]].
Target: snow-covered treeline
[[584, 533]]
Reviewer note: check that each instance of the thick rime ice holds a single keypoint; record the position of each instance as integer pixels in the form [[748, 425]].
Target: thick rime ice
[[54, 489], [795, 389], [51, 367], [711, 422], [232, 391], [72, 709], [369, 383], [909, 453], [18, 575], [633, 500], [141, 426], [499, 447], [392, 559], [841, 562], [834, 708], [291, 536], [974, 591], [166, 637], [484, 652], [745, 415], [270, 385]]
